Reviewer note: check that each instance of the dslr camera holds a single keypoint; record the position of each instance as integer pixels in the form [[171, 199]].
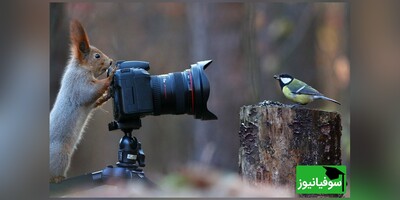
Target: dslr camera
[[136, 93]]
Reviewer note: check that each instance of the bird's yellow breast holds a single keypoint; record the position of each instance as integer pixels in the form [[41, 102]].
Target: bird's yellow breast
[[298, 98]]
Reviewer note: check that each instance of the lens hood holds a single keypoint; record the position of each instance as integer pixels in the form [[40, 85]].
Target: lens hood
[[201, 90]]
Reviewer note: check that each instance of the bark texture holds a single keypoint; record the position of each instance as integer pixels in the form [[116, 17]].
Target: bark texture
[[274, 138]]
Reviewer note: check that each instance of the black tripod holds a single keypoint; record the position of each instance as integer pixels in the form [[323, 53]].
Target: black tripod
[[128, 168]]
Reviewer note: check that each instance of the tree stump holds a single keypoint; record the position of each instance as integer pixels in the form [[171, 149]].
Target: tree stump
[[275, 138]]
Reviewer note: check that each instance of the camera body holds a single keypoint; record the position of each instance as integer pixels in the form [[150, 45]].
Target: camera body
[[131, 90], [136, 93]]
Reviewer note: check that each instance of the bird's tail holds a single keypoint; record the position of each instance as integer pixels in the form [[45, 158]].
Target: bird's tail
[[326, 98]]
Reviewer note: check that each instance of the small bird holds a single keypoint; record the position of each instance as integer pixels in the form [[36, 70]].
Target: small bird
[[298, 91]]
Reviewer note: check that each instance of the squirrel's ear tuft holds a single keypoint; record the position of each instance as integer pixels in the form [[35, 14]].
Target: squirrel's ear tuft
[[79, 40]]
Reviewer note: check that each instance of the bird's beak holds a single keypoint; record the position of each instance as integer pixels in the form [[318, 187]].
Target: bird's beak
[[276, 77]]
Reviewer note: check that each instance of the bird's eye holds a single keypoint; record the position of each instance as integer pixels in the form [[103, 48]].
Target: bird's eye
[[97, 55]]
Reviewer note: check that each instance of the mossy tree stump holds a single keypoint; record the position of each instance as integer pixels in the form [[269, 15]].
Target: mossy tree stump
[[275, 138]]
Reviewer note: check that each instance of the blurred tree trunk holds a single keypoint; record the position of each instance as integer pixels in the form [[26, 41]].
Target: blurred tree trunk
[[215, 142], [198, 23], [250, 50], [58, 47]]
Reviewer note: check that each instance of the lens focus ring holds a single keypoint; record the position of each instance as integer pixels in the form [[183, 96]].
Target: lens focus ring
[[179, 93]]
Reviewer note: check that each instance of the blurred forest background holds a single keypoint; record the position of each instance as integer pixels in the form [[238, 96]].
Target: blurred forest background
[[248, 43]]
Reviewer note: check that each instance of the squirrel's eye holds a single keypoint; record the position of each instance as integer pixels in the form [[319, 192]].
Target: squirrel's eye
[[97, 55]]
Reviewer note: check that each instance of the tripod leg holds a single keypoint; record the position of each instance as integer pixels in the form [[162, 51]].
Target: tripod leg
[[74, 184]]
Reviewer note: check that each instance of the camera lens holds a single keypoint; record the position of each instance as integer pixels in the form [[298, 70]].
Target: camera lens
[[184, 92]]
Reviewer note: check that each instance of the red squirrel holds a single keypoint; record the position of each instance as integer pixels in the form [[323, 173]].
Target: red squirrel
[[80, 93]]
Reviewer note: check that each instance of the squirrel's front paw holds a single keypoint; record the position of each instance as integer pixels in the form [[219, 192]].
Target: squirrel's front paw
[[57, 179], [111, 75], [104, 98]]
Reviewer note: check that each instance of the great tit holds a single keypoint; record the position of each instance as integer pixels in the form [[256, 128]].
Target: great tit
[[298, 91]]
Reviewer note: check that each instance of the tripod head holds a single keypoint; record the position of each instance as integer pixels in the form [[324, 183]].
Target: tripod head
[[130, 154]]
